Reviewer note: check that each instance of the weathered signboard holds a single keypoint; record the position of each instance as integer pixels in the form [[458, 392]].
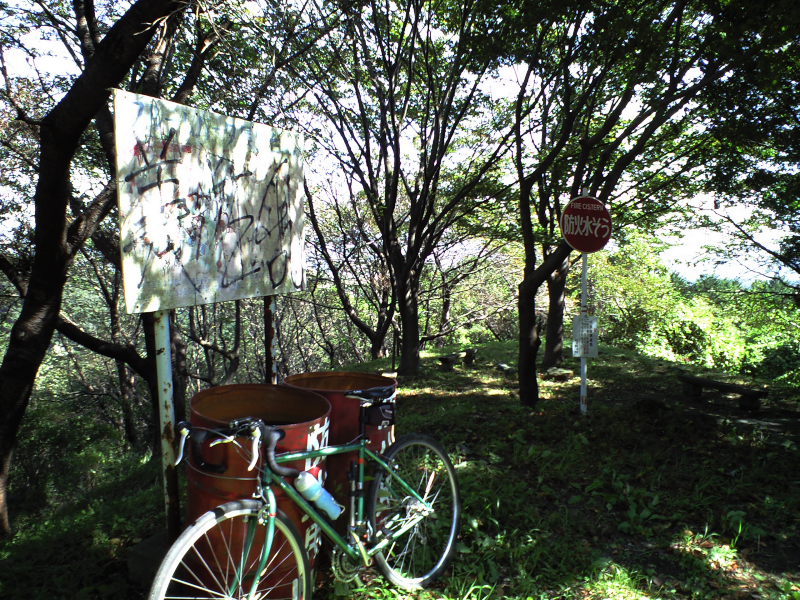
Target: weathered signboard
[[210, 206]]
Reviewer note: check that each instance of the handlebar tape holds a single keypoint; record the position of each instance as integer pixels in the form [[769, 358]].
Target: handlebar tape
[[272, 436]]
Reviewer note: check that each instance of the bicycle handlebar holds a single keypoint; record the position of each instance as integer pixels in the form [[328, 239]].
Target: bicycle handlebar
[[260, 433], [273, 436]]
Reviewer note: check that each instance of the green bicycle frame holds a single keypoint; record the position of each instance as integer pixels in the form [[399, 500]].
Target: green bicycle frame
[[356, 550]]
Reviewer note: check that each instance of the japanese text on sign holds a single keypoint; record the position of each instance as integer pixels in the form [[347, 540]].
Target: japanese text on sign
[[584, 337], [584, 225]]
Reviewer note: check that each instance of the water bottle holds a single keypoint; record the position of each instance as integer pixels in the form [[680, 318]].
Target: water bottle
[[312, 490]]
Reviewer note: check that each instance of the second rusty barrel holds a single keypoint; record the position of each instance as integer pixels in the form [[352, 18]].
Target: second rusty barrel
[[337, 387]]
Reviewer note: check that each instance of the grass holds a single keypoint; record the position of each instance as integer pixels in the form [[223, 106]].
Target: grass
[[79, 550], [650, 496]]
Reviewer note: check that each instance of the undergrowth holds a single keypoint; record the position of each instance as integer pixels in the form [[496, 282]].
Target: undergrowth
[[649, 496]]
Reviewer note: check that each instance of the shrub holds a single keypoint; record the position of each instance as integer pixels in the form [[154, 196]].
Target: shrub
[[696, 332]]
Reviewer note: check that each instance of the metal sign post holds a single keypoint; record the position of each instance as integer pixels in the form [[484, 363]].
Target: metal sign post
[[586, 227], [584, 314], [166, 418], [584, 332]]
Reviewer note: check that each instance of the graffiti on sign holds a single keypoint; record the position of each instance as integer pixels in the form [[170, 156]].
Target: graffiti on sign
[[210, 206]]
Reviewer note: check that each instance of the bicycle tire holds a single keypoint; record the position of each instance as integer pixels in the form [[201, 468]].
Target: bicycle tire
[[421, 554], [203, 562]]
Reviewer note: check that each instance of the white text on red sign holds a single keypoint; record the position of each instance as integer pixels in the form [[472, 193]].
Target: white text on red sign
[[587, 226], [586, 206]]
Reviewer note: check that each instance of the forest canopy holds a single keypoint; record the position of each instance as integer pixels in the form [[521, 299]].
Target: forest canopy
[[433, 200]]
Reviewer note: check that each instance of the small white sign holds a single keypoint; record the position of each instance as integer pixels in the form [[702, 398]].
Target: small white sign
[[584, 336]]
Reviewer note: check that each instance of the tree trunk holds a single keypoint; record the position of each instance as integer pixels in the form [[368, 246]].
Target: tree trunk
[[409, 326], [180, 371], [377, 347], [529, 342], [56, 240], [149, 332], [30, 339], [126, 400], [5, 469], [529, 326], [554, 333], [33, 330]]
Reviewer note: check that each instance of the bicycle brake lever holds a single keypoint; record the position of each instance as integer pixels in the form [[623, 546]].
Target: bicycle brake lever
[[256, 433], [184, 431]]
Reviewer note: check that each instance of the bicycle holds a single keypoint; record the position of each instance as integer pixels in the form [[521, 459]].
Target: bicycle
[[405, 522]]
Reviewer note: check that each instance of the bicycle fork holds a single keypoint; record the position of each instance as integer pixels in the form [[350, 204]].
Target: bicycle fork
[[270, 511]]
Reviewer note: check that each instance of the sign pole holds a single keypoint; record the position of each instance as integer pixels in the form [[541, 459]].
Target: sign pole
[[584, 313], [586, 227], [166, 415]]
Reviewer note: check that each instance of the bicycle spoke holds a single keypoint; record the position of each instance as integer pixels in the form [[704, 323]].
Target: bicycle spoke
[[422, 525], [198, 583], [218, 558]]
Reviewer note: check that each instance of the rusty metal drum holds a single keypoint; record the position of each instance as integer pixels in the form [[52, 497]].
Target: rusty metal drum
[[217, 473]]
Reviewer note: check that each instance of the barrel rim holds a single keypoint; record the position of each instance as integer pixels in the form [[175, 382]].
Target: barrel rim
[[221, 390], [308, 378]]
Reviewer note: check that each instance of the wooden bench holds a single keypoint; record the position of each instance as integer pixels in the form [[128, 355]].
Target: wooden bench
[[749, 399]]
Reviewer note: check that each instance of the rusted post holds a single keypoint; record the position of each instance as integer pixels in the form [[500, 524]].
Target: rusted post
[[166, 413], [270, 374]]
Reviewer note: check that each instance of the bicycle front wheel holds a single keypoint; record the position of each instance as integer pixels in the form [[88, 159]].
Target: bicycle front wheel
[[219, 556], [425, 531]]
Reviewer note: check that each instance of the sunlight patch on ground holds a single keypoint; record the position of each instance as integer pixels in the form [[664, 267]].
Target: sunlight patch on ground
[[451, 393], [616, 582]]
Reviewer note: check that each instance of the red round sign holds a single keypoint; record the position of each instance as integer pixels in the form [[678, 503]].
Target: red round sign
[[586, 224]]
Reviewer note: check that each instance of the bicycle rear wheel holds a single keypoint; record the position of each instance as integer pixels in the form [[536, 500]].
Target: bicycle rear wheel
[[218, 557], [420, 554]]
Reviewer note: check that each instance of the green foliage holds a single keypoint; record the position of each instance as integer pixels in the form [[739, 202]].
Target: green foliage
[[781, 364], [714, 323], [468, 297], [756, 143], [696, 331], [77, 549], [528, 543], [630, 289], [69, 445]]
